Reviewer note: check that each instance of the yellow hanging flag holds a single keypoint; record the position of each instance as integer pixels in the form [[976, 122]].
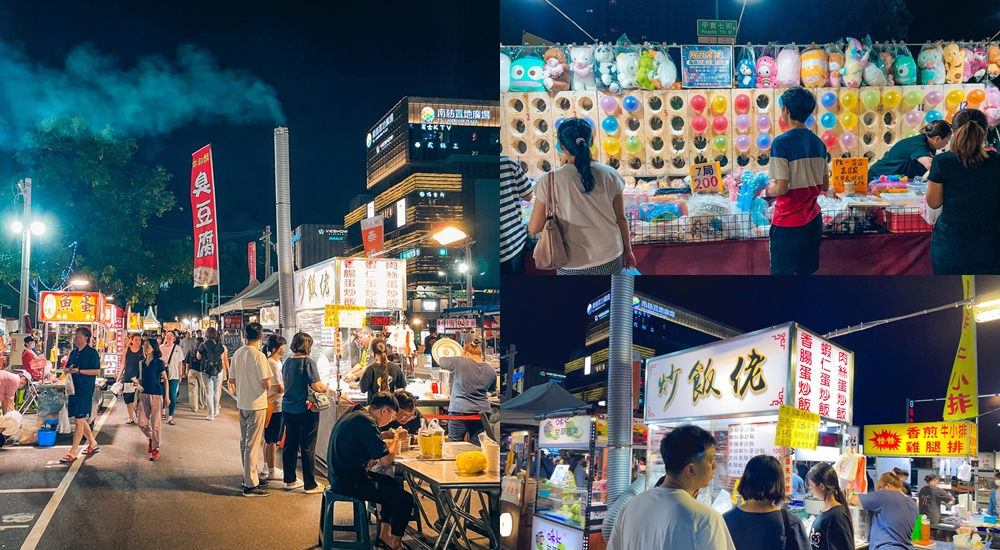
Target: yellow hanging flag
[[963, 386]]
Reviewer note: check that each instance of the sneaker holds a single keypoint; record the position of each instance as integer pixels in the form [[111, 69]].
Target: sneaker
[[256, 492], [315, 490], [277, 474], [262, 483], [155, 455], [209, 417], [297, 484]]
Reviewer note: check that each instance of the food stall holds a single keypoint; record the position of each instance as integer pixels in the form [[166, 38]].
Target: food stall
[[734, 388], [568, 516]]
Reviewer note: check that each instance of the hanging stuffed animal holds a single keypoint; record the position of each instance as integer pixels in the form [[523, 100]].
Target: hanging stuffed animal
[[970, 59], [886, 62], [628, 70], [853, 65], [504, 72], [931, 63], [835, 62], [666, 71], [527, 75], [605, 68], [582, 68], [647, 70], [874, 76], [746, 74], [906, 69], [767, 72], [993, 60], [978, 62], [954, 64], [812, 67], [556, 70], [788, 66]]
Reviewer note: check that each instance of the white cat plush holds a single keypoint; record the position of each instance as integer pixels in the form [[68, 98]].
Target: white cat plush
[[581, 67], [628, 70], [666, 71], [504, 73]]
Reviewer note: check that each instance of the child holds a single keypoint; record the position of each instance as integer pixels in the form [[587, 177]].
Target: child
[[798, 176]]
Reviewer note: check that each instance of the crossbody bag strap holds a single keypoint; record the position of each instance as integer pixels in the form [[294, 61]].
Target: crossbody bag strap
[[788, 527], [551, 207]]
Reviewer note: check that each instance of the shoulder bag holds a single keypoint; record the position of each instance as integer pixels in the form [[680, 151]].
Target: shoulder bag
[[550, 252], [788, 528], [319, 401]]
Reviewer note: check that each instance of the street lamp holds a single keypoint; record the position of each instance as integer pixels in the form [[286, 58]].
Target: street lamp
[[80, 282], [35, 227], [463, 267], [450, 235]]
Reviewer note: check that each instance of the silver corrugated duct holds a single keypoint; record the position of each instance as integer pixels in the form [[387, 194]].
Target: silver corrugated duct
[[620, 391], [283, 211]]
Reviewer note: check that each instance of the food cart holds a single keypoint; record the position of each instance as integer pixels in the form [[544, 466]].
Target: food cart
[[734, 389]]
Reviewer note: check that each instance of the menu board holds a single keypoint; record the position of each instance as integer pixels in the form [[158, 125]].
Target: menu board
[[375, 283], [747, 441], [707, 66], [823, 377]]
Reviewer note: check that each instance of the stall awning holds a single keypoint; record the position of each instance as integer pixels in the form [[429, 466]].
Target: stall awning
[[252, 299], [239, 296], [538, 400], [150, 322]]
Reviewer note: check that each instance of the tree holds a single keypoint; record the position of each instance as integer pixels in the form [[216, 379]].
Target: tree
[[99, 196]]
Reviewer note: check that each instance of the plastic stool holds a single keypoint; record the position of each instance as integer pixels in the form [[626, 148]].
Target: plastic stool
[[327, 527]]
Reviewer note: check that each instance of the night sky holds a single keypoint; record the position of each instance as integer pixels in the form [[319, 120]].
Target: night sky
[[333, 69], [545, 317]]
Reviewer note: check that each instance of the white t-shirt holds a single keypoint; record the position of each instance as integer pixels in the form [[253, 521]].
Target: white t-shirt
[[669, 519], [249, 367], [272, 395], [175, 360], [587, 220]]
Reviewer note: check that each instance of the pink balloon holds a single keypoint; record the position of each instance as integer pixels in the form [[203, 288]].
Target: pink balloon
[[608, 104], [912, 118], [743, 123], [933, 98], [763, 123], [743, 142], [720, 123], [849, 139], [699, 123]]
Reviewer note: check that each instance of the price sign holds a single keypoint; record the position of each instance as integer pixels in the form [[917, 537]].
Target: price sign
[[797, 429], [853, 170], [558, 476], [706, 178], [344, 317], [747, 441]]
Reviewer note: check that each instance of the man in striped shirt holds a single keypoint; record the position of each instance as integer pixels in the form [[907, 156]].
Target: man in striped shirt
[[514, 185], [798, 176]]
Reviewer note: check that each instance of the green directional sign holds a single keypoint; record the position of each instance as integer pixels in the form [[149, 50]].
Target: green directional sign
[[712, 27]]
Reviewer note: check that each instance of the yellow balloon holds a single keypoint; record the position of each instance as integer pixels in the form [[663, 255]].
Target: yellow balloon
[[954, 97], [849, 120], [891, 99], [611, 146], [719, 104], [849, 100]]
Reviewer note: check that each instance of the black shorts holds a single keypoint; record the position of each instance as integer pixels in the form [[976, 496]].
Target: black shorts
[[129, 398], [272, 432], [795, 250], [79, 405]]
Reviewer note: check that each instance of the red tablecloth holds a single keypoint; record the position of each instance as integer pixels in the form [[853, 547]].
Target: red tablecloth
[[886, 254]]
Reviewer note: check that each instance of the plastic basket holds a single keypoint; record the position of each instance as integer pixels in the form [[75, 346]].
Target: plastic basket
[[46, 438], [906, 220]]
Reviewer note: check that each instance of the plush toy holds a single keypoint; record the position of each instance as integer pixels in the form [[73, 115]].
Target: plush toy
[[746, 74], [954, 64], [874, 76], [647, 70], [906, 71], [581, 67], [853, 65], [993, 60], [556, 70], [992, 103], [767, 72], [504, 72], [666, 71], [527, 75], [605, 68], [813, 68], [931, 63], [628, 70], [835, 62], [886, 63], [979, 62], [788, 66]]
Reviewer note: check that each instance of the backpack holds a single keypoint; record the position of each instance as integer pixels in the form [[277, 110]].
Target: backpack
[[211, 360]]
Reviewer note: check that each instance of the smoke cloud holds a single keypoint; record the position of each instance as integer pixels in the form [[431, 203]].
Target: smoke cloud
[[154, 97]]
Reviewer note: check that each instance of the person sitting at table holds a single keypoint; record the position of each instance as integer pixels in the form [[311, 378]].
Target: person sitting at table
[[408, 417], [381, 375], [355, 448], [472, 380], [9, 384]]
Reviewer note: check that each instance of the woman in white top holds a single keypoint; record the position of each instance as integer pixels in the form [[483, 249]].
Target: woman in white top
[[588, 206], [272, 431]]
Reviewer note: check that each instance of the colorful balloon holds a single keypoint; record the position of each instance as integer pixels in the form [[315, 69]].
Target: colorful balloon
[[763, 123], [828, 120], [810, 122], [720, 123], [913, 98], [891, 99], [743, 142], [590, 122], [699, 124], [849, 120], [633, 144], [954, 98], [976, 97], [611, 146], [951, 114], [719, 104], [912, 118], [933, 98], [829, 100], [829, 139], [764, 142], [560, 120], [743, 123], [848, 139], [610, 124], [698, 103], [871, 99], [742, 103], [782, 124], [911, 133], [849, 100], [720, 143], [933, 115], [608, 104], [630, 104]]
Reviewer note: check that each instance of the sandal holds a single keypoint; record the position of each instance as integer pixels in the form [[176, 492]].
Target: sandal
[[91, 450], [68, 459], [130, 421]]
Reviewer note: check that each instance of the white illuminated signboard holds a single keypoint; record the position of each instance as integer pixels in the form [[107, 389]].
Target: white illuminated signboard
[[373, 283]]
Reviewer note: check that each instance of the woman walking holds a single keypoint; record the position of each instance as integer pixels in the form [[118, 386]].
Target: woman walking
[[381, 375], [153, 379], [214, 363], [301, 419], [966, 182], [196, 391], [472, 380], [272, 430], [589, 207]]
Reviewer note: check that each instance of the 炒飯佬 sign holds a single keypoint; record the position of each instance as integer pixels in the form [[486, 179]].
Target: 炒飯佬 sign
[[963, 385], [922, 439], [741, 375], [706, 178], [797, 429], [71, 307], [823, 377], [565, 433], [854, 170], [206, 232], [370, 282]]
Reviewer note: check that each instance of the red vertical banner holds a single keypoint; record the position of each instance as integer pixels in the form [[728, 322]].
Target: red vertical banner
[[372, 234], [252, 260], [206, 232]]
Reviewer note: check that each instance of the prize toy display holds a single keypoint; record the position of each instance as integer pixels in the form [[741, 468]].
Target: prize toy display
[[868, 97]]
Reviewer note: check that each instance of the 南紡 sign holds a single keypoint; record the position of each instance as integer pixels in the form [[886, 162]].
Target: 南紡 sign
[[206, 232]]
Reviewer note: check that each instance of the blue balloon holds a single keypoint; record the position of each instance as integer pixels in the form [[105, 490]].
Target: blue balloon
[[829, 100], [810, 122], [610, 124], [828, 120], [558, 122], [590, 121], [559, 147], [780, 103], [764, 142], [630, 104], [933, 115]]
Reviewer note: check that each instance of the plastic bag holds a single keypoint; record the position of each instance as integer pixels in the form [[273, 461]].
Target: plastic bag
[[788, 66], [581, 67], [873, 74], [70, 390], [813, 67], [930, 215], [665, 71], [835, 62], [853, 69], [627, 63], [931, 63]]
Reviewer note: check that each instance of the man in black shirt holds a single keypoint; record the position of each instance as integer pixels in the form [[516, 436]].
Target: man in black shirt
[[356, 447], [84, 364], [129, 371]]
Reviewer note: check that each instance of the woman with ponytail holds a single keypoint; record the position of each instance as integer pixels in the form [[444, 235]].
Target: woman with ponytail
[[966, 182], [832, 529], [893, 513], [381, 375], [912, 156], [589, 207]]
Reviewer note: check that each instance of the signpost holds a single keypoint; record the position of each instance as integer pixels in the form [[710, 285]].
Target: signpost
[[713, 31]]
